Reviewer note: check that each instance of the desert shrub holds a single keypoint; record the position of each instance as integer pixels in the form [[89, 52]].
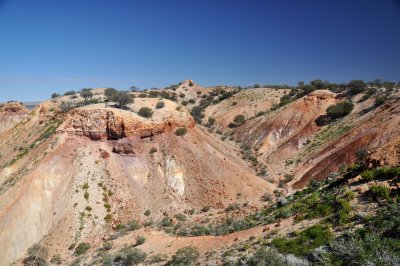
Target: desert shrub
[[142, 95], [307, 240], [86, 94], [108, 217], [206, 208], [197, 113], [356, 86], [191, 84], [239, 120], [82, 248], [266, 197], [69, 93], [145, 112], [387, 221], [110, 94], [211, 121], [181, 131], [129, 256], [185, 256], [107, 246], [382, 173], [166, 222], [88, 208], [123, 99], [267, 256], [180, 217], [147, 213], [181, 95], [86, 195], [55, 95], [379, 100], [160, 105], [339, 110], [185, 103], [192, 101], [360, 249], [140, 240], [133, 225], [56, 259], [379, 192]]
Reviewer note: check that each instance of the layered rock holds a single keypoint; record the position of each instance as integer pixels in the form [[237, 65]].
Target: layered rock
[[99, 122], [10, 114]]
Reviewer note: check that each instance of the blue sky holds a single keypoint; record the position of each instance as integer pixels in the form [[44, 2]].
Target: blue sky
[[53, 46]]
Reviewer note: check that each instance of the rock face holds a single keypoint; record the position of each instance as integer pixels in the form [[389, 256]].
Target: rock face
[[11, 114], [98, 122], [124, 148]]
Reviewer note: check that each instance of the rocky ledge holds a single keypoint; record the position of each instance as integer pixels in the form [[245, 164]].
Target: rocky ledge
[[100, 122]]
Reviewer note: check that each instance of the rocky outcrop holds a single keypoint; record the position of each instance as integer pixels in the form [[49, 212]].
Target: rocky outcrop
[[124, 148], [113, 124], [10, 114]]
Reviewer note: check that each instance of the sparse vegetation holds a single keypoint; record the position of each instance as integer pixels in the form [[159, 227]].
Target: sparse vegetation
[[145, 112], [160, 105], [339, 110], [185, 256], [181, 131], [82, 248]]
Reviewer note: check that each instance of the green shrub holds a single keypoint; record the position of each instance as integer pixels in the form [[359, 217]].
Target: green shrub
[[86, 195], [140, 240], [145, 112], [108, 218], [181, 131], [82, 248], [180, 217], [356, 86], [340, 110], [160, 105], [206, 208], [133, 225], [380, 100], [185, 256], [147, 213], [266, 197], [239, 120], [307, 240], [129, 256], [56, 259], [268, 256], [379, 192]]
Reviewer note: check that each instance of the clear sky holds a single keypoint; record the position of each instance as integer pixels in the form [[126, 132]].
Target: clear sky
[[53, 45]]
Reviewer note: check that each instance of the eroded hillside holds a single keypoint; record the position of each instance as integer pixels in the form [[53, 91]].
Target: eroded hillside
[[100, 178]]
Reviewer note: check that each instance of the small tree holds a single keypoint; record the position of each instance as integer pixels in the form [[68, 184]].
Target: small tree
[[111, 94], [134, 88], [356, 86], [145, 112], [123, 99], [86, 94], [55, 95]]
